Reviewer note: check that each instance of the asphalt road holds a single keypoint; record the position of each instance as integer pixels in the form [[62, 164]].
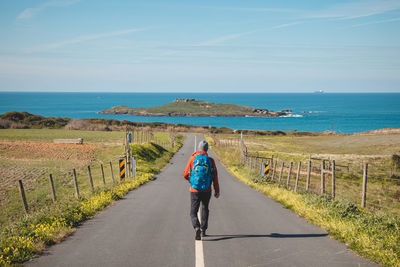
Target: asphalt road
[[151, 227]]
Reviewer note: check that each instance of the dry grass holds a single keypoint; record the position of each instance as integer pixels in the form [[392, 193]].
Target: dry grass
[[349, 152]]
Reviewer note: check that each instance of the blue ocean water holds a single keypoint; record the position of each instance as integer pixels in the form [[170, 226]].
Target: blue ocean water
[[340, 112]]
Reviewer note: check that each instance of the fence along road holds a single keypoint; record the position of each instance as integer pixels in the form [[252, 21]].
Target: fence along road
[[151, 227]]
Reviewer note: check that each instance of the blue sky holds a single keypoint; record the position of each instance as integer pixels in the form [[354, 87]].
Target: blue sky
[[202, 46]]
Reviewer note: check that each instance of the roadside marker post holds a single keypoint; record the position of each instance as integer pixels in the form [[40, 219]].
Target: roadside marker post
[[264, 170], [262, 166], [130, 137], [122, 169]]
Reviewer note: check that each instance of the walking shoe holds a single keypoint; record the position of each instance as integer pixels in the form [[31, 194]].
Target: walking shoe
[[198, 236], [203, 233]]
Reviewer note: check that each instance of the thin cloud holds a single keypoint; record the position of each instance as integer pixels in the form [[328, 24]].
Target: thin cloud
[[31, 12], [228, 37], [252, 9], [357, 9], [376, 22], [286, 25], [218, 40], [224, 38], [84, 38]]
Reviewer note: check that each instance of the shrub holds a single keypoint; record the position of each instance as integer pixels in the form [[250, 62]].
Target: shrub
[[78, 125], [396, 160]]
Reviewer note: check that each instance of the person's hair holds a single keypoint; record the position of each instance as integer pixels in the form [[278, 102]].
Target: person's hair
[[203, 146]]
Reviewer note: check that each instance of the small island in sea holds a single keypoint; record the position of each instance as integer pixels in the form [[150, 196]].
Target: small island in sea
[[189, 107]]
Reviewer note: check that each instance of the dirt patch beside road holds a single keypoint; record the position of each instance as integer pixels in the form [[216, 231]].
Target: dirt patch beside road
[[32, 161], [24, 150]]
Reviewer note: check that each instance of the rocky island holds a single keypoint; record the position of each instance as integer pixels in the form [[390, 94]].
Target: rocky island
[[189, 107]]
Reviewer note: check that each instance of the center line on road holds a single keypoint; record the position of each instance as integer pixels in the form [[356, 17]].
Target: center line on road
[[199, 248], [199, 253]]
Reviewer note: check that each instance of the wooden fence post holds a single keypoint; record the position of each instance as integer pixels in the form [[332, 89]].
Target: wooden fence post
[[102, 174], [133, 167], [274, 170], [23, 198], [322, 177], [364, 186], [53, 191], [280, 174], [308, 175], [333, 179], [112, 173], [250, 163], [289, 173], [76, 185], [297, 176], [90, 179]]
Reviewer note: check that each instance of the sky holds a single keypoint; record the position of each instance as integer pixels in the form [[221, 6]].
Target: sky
[[200, 46]]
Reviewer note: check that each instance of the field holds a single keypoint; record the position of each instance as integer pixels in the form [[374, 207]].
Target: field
[[31, 155], [350, 152]]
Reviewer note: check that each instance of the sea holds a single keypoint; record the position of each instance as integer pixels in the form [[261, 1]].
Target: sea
[[317, 112]]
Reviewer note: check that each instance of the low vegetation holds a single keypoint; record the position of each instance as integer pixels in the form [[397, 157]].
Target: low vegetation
[[25, 120], [24, 236]]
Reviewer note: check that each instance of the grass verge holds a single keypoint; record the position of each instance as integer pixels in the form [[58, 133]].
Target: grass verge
[[376, 237], [29, 236]]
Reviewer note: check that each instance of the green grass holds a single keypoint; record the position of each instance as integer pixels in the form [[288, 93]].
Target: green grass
[[374, 236]]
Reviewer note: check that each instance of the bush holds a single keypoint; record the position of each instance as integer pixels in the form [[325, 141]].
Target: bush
[[396, 160], [25, 120], [78, 125]]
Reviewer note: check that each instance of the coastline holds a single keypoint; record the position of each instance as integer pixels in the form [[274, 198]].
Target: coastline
[[341, 112], [25, 120]]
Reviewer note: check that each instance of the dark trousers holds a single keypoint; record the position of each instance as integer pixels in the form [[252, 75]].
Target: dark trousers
[[195, 199]]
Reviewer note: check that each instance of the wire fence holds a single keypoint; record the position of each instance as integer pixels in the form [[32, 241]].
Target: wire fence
[[82, 181], [368, 182]]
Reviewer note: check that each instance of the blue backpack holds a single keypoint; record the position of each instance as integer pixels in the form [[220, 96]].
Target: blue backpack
[[200, 179]]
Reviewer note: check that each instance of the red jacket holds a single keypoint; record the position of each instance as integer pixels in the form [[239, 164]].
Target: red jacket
[[188, 171]]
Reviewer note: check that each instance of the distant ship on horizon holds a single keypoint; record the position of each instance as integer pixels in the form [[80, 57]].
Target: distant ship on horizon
[[319, 92]]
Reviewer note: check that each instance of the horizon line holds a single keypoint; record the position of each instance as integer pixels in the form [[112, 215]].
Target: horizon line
[[206, 92]]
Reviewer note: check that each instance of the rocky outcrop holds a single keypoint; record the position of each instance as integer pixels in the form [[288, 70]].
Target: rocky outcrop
[[184, 100]]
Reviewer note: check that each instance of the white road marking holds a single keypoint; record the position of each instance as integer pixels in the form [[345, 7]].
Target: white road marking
[[199, 248], [199, 253]]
